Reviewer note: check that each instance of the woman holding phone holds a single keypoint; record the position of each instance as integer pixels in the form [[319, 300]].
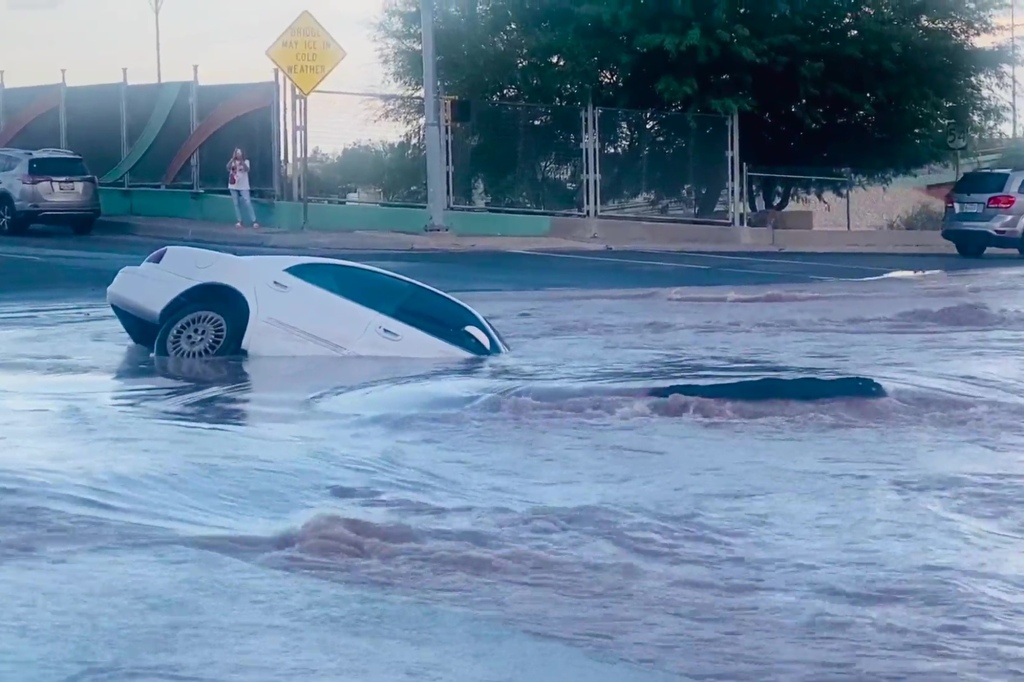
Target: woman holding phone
[[238, 185]]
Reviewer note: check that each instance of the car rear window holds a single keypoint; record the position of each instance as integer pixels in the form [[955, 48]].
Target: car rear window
[[57, 167], [981, 183]]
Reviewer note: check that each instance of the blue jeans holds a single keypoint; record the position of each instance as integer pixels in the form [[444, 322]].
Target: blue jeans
[[240, 197]]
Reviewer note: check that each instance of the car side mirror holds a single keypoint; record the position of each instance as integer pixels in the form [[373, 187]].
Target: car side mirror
[[478, 335]]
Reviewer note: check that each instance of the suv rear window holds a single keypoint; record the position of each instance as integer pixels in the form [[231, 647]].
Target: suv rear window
[[981, 183], [57, 167]]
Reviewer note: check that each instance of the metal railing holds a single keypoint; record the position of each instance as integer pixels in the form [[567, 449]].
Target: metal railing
[[175, 135], [797, 200]]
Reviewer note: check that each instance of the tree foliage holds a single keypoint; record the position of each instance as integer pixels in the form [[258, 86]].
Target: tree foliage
[[395, 168], [826, 85]]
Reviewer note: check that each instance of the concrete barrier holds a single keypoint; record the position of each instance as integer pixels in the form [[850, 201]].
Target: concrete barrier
[[217, 208], [876, 239], [347, 218]]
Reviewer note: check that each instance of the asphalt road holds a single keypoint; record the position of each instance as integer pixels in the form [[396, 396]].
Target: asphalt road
[[55, 262]]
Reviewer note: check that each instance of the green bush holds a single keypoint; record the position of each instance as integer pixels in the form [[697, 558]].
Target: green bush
[[921, 217]]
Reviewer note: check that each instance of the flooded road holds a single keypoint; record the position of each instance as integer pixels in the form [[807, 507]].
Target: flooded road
[[534, 517]]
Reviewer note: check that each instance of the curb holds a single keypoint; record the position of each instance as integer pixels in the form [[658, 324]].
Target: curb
[[285, 240]]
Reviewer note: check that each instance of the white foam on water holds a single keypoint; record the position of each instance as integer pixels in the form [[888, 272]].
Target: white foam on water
[[905, 274]]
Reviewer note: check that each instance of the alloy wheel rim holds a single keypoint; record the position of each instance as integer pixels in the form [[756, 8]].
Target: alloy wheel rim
[[5, 218], [197, 335]]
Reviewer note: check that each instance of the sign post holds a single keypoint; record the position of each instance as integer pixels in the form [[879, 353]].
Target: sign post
[[956, 136], [306, 54], [956, 140]]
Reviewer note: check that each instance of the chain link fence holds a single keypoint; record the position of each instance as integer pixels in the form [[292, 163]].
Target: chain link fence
[[663, 165], [517, 157]]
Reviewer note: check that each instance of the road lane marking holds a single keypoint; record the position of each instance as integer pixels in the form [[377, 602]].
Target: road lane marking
[[19, 257], [692, 266], [612, 260], [700, 254]]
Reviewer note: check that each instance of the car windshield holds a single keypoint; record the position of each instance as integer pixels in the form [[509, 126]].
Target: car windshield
[[981, 183], [57, 167], [496, 332]]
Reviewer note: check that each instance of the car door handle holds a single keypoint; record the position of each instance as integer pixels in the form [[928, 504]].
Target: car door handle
[[279, 286], [388, 334]]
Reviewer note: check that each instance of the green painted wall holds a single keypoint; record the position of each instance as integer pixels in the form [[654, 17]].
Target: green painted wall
[[215, 208]]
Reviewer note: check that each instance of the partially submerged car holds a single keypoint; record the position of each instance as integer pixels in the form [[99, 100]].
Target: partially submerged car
[[196, 303]]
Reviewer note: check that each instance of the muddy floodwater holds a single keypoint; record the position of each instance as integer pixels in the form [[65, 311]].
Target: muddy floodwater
[[531, 517]]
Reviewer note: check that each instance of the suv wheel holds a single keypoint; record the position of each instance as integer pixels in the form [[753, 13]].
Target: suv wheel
[[970, 249], [10, 223]]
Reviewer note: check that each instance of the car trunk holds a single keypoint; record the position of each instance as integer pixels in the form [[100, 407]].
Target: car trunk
[[972, 193], [60, 179]]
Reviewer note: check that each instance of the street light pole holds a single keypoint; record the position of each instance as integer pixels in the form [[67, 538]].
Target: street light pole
[[157, 5], [432, 119], [1013, 65]]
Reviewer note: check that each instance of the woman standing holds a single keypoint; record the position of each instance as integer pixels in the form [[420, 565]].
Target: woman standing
[[238, 185]]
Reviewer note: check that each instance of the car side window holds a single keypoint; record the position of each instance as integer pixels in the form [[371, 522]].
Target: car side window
[[6, 164], [368, 288], [444, 319], [1020, 187]]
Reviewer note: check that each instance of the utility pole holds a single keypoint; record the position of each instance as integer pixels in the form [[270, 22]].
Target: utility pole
[[1013, 65], [156, 6], [432, 118]]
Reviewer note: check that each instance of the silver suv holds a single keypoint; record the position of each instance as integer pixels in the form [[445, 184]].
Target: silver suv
[[985, 209], [49, 187]]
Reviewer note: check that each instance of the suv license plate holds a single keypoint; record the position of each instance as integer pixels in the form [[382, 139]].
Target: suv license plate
[[970, 208], [66, 186]]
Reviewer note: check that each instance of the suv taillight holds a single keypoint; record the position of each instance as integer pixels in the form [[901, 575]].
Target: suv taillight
[[949, 200], [1002, 201], [33, 179]]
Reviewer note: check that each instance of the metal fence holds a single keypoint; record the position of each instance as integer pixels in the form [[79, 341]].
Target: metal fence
[[614, 163], [368, 148], [174, 135], [525, 158], [664, 166], [517, 157], [798, 198]]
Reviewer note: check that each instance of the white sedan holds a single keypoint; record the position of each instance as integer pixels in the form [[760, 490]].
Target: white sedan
[[197, 303]]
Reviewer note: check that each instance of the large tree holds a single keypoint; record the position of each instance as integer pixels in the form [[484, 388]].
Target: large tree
[[820, 86]]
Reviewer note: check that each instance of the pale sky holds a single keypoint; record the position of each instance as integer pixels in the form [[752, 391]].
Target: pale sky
[[94, 39]]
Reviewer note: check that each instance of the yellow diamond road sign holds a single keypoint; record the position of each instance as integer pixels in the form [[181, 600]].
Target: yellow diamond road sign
[[306, 53]]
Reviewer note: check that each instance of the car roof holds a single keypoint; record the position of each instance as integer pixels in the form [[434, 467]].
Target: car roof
[[46, 152], [984, 171], [278, 263], [283, 262]]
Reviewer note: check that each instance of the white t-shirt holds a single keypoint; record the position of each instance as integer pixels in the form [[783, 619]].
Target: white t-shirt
[[241, 169]]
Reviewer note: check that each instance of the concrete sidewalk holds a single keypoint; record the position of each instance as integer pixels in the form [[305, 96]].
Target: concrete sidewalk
[[171, 229], [595, 236]]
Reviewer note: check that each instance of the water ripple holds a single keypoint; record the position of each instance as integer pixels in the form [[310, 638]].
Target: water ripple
[[428, 515]]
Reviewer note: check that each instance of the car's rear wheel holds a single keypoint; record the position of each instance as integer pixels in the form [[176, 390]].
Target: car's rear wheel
[[83, 227], [10, 223], [970, 249], [207, 329]]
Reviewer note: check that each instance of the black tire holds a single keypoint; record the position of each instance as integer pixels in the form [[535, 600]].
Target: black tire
[[205, 329], [10, 222], [970, 249], [83, 227]]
